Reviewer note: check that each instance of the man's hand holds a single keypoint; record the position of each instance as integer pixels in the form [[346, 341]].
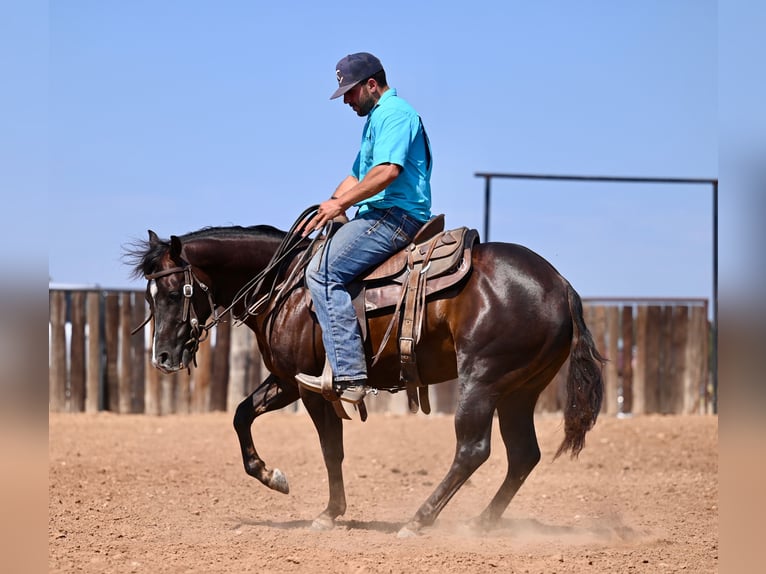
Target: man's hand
[[328, 210]]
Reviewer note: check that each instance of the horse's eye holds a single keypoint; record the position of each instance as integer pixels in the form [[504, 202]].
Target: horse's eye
[[174, 295]]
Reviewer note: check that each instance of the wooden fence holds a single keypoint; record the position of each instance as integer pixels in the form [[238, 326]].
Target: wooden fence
[[659, 355]]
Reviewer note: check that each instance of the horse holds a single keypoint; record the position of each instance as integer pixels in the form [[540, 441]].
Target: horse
[[503, 332]]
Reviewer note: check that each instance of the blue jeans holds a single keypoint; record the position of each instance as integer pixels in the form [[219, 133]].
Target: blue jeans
[[358, 245]]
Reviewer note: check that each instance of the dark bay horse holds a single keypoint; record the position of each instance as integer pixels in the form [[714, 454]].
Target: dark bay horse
[[503, 333]]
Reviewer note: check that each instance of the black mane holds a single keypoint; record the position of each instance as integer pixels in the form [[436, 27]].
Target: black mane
[[144, 257], [257, 231]]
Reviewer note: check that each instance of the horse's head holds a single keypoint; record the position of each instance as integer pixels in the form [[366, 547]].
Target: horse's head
[[236, 263], [179, 300]]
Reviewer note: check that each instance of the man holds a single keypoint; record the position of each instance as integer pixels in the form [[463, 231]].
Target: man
[[390, 185]]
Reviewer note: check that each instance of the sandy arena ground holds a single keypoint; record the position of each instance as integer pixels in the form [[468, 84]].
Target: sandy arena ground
[[169, 494]]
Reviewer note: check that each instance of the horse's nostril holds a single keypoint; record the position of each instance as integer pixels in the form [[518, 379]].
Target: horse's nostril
[[162, 358]]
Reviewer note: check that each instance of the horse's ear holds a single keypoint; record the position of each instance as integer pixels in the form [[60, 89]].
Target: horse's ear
[[175, 246], [153, 239]]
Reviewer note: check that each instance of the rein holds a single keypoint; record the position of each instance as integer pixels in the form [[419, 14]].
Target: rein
[[288, 245]]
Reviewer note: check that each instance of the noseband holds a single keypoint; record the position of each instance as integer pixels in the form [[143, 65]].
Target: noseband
[[198, 333]]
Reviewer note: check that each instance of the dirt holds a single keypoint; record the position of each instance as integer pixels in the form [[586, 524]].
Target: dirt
[[169, 494]]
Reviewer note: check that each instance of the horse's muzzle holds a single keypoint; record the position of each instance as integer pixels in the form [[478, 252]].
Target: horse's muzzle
[[166, 364]]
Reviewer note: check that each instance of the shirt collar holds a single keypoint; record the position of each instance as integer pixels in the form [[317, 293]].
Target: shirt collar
[[389, 93]]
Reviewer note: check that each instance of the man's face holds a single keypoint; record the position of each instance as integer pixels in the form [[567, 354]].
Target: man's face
[[360, 98]]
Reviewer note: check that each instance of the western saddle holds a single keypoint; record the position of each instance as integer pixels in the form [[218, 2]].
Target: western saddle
[[434, 261]]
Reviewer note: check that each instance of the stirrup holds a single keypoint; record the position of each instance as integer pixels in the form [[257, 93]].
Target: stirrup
[[323, 384], [319, 384]]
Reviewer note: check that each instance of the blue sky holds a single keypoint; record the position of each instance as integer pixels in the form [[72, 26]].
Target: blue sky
[[177, 115]]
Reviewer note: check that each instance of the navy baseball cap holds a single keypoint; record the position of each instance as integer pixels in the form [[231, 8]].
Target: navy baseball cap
[[353, 69]]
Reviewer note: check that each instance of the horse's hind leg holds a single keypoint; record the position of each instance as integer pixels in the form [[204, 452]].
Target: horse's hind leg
[[516, 418], [473, 428]]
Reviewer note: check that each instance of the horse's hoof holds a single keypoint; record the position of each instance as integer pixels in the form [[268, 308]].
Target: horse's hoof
[[323, 523], [479, 525], [408, 532], [278, 482]]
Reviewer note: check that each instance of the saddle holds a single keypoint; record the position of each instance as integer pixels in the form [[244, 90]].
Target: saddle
[[433, 262]]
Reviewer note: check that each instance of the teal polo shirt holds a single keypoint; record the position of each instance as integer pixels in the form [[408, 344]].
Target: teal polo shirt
[[394, 133]]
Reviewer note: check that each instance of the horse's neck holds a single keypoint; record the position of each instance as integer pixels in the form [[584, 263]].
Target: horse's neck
[[231, 263]]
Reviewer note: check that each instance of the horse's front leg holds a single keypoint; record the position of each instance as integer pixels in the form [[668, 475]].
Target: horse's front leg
[[330, 430], [271, 395]]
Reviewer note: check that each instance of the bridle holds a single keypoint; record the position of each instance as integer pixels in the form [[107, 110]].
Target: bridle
[[199, 333]]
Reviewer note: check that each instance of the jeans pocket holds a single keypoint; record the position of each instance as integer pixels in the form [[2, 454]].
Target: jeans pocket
[[405, 232]]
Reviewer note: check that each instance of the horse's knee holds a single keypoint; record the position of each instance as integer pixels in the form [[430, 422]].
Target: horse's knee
[[474, 454]]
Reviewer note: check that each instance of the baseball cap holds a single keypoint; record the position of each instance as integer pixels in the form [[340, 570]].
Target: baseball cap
[[353, 69]]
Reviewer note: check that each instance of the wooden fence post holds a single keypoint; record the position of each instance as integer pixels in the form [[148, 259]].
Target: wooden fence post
[[153, 389], [137, 356], [168, 398], [550, 400], [674, 360], [111, 338], [220, 370], [612, 382], [664, 356], [183, 383], [601, 338], [57, 375], [627, 359], [256, 370], [77, 353], [653, 344], [239, 349], [93, 381], [639, 373], [696, 356], [124, 359]]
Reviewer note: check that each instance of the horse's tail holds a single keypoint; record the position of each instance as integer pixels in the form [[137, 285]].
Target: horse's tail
[[585, 385]]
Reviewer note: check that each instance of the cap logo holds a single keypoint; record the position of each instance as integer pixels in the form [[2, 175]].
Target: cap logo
[[339, 76]]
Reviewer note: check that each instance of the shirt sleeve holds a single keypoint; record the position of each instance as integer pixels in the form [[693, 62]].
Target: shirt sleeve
[[355, 167]]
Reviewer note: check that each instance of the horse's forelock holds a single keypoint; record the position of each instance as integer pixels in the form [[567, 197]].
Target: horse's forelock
[[144, 256]]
